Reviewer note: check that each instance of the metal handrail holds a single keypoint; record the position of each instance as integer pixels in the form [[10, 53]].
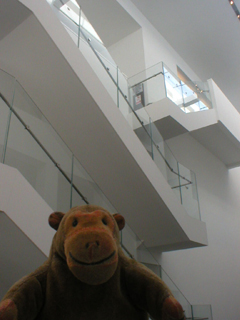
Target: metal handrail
[[57, 165]]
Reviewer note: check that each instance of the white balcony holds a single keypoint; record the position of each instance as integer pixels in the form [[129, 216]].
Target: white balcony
[[202, 110]]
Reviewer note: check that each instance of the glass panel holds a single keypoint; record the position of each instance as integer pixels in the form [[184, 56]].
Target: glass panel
[[167, 164], [177, 294], [7, 85], [84, 183], [72, 29], [202, 312], [173, 87], [123, 85], [203, 87], [139, 120], [71, 10], [154, 89], [40, 127], [144, 131], [86, 25], [189, 97], [63, 192], [138, 96], [101, 68], [189, 192], [101, 52], [146, 258], [69, 17], [159, 158], [165, 160], [4, 118], [126, 110], [28, 157], [173, 172], [89, 43], [110, 67], [203, 92], [129, 242], [147, 86]]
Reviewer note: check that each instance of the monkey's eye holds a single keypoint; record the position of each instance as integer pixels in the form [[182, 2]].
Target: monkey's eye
[[74, 223], [104, 221]]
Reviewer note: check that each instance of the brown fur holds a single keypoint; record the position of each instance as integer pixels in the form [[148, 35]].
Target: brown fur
[[88, 277]]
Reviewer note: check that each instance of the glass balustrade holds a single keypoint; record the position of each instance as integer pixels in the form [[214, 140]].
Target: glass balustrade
[[188, 191], [173, 87], [131, 95], [158, 82], [189, 96], [29, 143], [147, 86]]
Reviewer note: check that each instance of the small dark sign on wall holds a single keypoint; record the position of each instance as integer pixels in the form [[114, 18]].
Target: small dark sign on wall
[[138, 98]]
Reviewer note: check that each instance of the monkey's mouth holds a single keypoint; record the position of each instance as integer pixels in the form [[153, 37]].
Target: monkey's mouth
[[92, 263]]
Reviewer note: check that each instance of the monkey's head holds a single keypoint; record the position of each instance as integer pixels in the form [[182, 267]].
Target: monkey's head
[[87, 238]]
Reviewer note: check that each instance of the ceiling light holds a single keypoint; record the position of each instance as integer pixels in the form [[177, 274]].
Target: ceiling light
[[235, 8]]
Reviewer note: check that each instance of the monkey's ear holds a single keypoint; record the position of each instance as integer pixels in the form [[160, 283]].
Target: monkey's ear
[[120, 220], [55, 219]]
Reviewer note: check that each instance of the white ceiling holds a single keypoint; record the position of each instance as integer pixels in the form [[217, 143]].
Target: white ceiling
[[206, 34], [109, 16]]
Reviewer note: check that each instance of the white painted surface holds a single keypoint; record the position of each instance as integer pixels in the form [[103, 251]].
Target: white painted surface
[[156, 48], [226, 112], [19, 256], [190, 121], [108, 16], [25, 207], [128, 53], [217, 129]]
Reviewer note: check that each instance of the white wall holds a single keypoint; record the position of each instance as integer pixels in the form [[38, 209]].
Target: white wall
[[25, 207], [210, 275], [128, 53], [156, 48], [226, 112]]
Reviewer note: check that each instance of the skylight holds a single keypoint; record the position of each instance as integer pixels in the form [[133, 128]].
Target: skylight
[[72, 10]]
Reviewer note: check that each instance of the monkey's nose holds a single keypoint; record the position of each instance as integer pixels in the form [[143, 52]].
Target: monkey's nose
[[92, 244]]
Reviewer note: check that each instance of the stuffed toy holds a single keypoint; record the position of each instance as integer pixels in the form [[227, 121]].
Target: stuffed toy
[[88, 277]]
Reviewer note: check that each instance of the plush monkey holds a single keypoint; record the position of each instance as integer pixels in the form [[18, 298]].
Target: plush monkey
[[88, 277]]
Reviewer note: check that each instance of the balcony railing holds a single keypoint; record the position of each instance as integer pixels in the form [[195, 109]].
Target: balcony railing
[[158, 82], [181, 180], [29, 143]]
